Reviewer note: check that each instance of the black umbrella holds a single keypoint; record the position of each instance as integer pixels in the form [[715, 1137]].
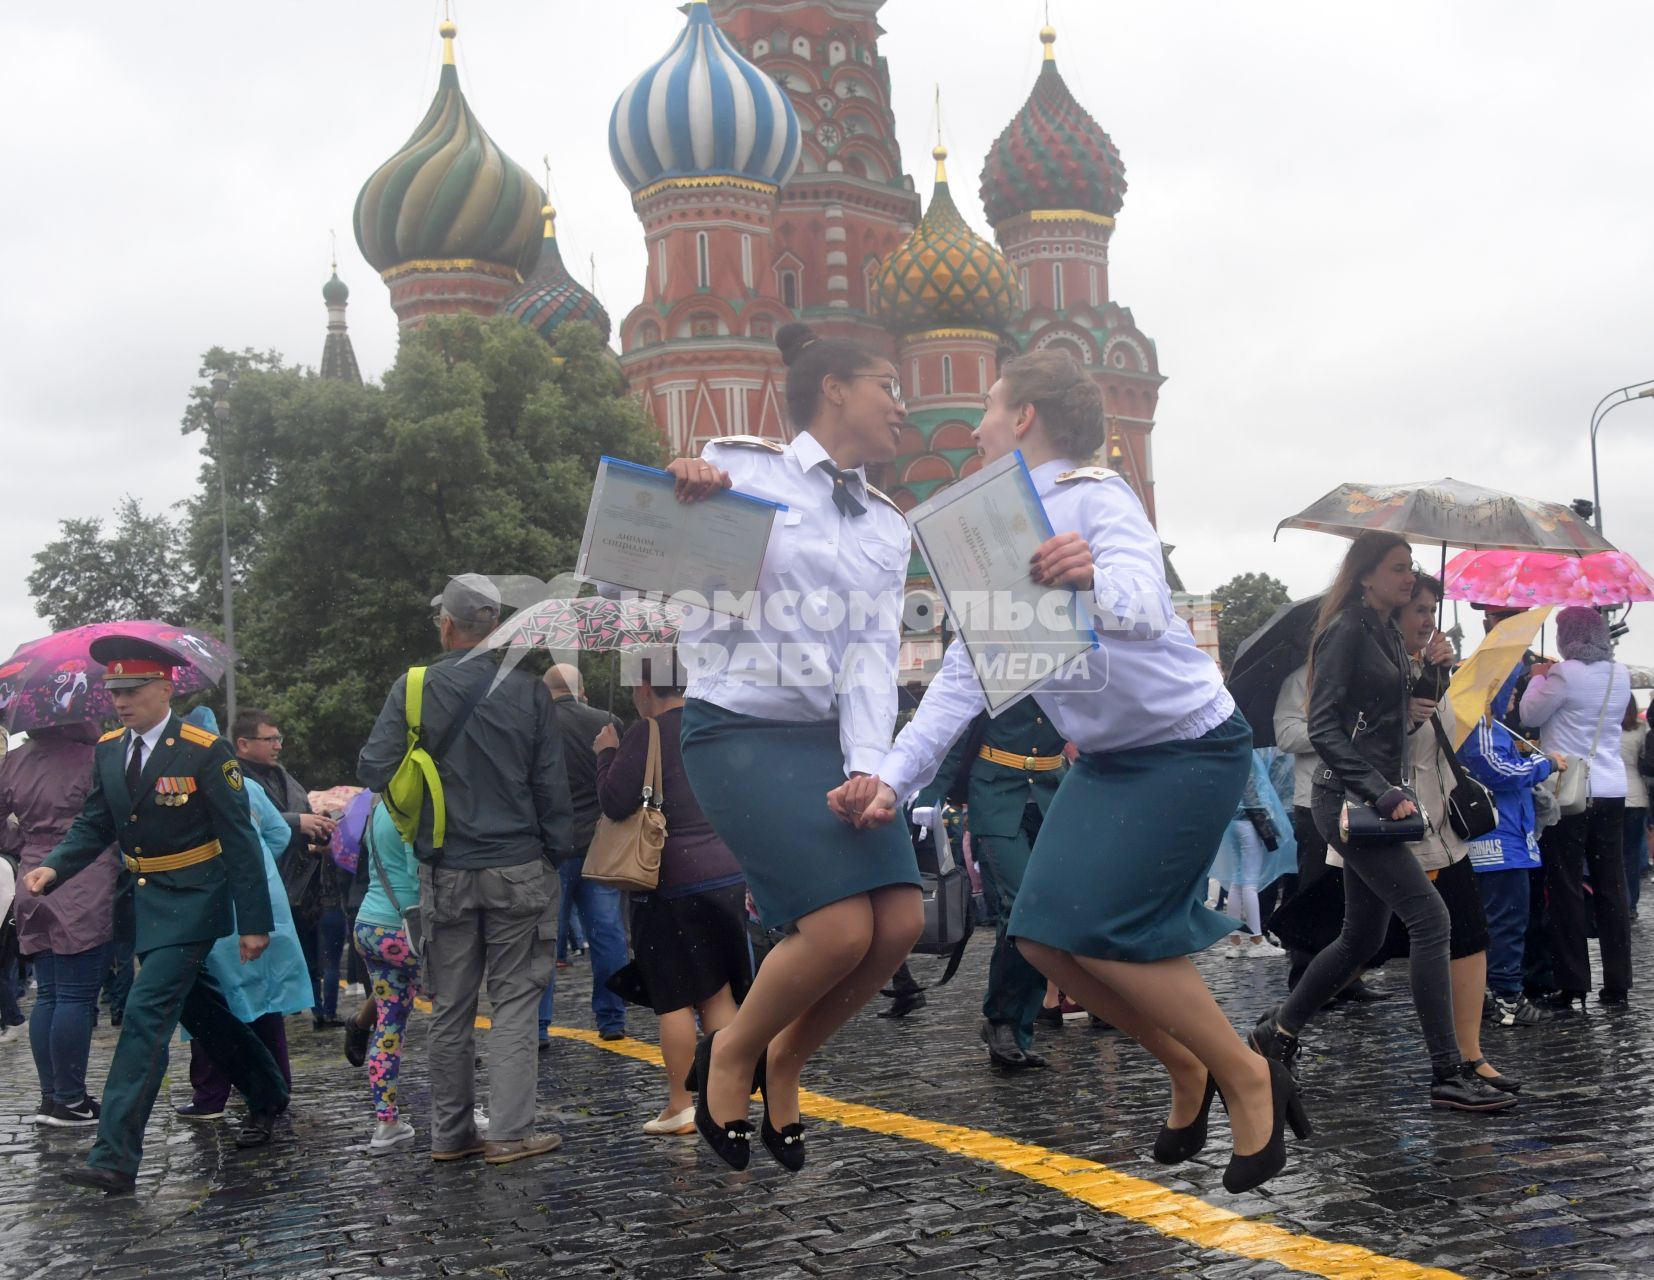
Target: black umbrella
[[1264, 661]]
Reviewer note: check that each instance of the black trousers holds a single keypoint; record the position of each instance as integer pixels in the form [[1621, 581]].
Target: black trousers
[[1312, 865], [1593, 840]]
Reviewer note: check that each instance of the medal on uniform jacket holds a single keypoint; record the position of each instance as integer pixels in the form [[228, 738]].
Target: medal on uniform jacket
[[173, 792]]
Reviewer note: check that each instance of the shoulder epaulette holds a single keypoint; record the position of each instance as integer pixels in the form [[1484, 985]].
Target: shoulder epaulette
[[112, 735], [887, 499], [1088, 473], [751, 442], [199, 736]]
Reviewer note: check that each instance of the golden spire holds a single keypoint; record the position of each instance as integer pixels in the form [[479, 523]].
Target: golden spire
[[447, 30], [939, 153], [546, 210], [333, 251], [1048, 37]]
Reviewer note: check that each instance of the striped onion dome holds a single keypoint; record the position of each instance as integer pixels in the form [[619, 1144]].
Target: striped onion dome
[[703, 111], [450, 194], [553, 296], [1053, 155], [945, 276]]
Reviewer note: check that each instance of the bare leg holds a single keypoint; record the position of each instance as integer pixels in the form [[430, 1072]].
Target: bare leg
[[1188, 1072], [898, 919], [1173, 995], [828, 946], [1469, 979], [677, 1047]]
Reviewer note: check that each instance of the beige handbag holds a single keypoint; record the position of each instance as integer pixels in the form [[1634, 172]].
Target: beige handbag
[[625, 853]]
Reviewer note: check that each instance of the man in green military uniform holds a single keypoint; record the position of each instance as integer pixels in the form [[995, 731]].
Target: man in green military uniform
[[1005, 770], [172, 796]]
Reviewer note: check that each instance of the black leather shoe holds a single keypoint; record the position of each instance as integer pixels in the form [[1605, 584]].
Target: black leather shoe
[[1174, 1146], [1358, 992], [1464, 1090], [1505, 1084], [1562, 1001], [109, 1181], [1033, 1061], [1003, 1049], [1271, 1042], [1049, 1017], [905, 1003], [257, 1129], [1249, 1171], [731, 1139], [1611, 995]]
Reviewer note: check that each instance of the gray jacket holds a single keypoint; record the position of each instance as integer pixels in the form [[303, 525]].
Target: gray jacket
[[505, 791]]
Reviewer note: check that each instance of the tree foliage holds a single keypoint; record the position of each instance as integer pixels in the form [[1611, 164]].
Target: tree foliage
[[351, 506], [1248, 599], [137, 570]]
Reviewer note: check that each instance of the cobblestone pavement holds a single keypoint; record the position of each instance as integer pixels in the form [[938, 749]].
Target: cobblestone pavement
[[938, 1167]]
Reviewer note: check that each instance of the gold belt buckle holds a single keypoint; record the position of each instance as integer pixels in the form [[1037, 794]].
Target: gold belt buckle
[[1030, 763]]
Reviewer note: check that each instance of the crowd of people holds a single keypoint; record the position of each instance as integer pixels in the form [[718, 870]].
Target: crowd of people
[[1093, 812]]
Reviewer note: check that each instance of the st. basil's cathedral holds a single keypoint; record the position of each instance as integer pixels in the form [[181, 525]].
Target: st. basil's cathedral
[[762, 159]]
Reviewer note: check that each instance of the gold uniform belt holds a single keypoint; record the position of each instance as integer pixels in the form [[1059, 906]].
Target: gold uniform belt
[[174, 861], [1032, 764]]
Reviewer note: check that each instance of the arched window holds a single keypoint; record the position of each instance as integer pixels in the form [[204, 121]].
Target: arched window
[[660, 264], [703, 261], [835, 53], [1095, 299], [982, 374], [912, 391], [801, 47], [746, 260], [789, 290], [1057, 300], [1027, 299], [947, 375]]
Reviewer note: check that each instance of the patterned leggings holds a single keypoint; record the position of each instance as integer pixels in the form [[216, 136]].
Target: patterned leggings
[[393, 974]]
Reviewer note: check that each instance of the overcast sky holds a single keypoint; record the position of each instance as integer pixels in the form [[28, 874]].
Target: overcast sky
[[1377, 243]]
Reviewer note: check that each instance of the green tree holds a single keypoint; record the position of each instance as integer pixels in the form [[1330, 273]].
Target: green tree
[[138, 570], [353, 505], [1247, 599]]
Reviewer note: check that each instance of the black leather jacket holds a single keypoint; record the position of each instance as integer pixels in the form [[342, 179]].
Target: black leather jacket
[[1360, 682]]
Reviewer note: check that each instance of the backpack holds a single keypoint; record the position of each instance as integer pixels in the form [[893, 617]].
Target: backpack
[[416, 777]]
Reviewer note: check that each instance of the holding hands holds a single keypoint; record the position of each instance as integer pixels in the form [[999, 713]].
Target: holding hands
[[863, 801]]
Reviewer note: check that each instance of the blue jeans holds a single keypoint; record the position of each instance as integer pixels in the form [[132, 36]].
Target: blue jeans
[[1505, 900], [1636, 853], [11, 992], [330, 932], [600, 908], [60, 1028], [571, 934]]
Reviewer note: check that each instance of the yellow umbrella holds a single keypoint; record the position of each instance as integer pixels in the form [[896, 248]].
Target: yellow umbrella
[[1470, 692]]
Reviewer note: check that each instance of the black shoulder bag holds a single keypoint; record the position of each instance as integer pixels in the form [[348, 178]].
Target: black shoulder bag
[[1471, 810]]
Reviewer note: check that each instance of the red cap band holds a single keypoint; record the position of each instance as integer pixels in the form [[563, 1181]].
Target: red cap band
[[137, 668]]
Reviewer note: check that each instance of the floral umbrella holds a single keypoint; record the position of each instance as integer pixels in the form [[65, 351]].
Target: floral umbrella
[[592, 624], [1451, 513], [1525, 579], [55, 680]]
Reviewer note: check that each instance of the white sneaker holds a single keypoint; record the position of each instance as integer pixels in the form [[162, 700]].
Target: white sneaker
[[1257, 949], [387, 1137], [1230, 948]]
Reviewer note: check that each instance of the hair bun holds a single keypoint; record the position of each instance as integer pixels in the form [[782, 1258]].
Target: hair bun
[[792, 338]]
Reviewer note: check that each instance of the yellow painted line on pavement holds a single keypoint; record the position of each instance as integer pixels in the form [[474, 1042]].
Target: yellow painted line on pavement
[[1171, 1213]]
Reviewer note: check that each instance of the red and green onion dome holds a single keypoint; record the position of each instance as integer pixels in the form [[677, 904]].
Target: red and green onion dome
[[553, 297], [1052, 156], [945, 276], [450, 198]]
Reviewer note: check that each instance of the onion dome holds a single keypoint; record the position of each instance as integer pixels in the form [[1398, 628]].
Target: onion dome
[[553, 296], [1053, 155], [945, 276], [335, 292], [703, 112], [450, 194]]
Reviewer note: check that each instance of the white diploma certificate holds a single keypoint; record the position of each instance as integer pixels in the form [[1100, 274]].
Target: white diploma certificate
[[978, 537], [641, 538]]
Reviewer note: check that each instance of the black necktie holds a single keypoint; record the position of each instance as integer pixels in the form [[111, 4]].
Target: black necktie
[[135, 769], [843, 499]]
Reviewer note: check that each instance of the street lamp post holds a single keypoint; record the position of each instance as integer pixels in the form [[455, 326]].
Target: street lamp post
[[1613, 400], [221, 415]]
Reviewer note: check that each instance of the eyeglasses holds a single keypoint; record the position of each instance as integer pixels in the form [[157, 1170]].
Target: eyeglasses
[[892, 388]]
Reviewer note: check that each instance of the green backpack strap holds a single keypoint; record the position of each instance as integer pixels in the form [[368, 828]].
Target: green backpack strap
[[416, 777]]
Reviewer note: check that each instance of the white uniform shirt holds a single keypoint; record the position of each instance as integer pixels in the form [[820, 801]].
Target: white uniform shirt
[[1145, 683], [151, 738], [826, 638], [1566, 706]]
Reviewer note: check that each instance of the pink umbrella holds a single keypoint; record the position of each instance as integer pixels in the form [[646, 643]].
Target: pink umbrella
[[1528, 579]]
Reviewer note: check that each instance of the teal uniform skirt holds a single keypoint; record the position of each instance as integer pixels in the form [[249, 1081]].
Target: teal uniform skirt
[[1119, 869], [763, 785]]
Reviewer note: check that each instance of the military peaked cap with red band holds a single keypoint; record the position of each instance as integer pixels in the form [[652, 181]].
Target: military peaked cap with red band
[[129, 662]]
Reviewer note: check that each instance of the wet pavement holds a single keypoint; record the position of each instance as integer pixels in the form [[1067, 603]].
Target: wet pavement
[[931, 1165]]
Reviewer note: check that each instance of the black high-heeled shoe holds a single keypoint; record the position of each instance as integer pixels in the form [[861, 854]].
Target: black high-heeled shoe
[[1174, 1146], [732, 1139], [786, 1144], [1249, 1171]]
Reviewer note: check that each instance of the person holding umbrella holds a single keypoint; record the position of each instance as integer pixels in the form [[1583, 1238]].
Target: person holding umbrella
[[171, 796], [1361, 711]]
